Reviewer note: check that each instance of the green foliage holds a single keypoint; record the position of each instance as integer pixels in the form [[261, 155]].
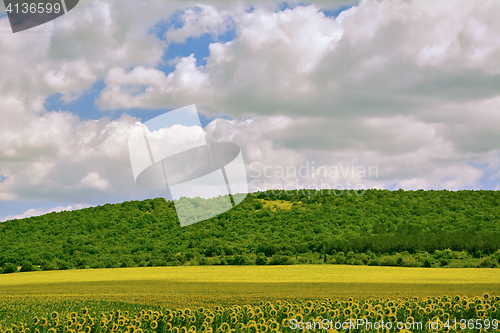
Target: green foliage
[[9, 268], [377, 227], [27, 267]]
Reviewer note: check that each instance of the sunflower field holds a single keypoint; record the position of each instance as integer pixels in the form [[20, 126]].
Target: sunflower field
[[424, 314]]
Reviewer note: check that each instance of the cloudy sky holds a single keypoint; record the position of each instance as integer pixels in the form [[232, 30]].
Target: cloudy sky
[[407, 89]]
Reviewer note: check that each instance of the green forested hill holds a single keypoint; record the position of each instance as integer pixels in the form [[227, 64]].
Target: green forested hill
[[379, 227]]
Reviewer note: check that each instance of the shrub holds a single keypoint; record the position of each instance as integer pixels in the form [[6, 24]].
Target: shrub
[[261, 259], [50, 266], [278, 259], [427, 263], [388, 261], [9, 268], [27, 267]]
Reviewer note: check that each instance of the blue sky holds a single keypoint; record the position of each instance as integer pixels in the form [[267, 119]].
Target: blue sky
[[291, 98], [85, 106]]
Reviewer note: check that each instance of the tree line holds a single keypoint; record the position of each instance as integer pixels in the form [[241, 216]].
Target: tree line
[[373, 227]]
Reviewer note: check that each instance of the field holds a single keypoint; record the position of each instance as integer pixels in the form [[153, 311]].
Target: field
[[225, 290]]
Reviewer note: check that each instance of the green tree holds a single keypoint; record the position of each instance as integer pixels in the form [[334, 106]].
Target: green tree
[[27, 267], [9, 268]]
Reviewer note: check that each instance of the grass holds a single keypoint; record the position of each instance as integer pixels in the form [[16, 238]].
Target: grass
[[275, 204], [256, 274], [227, 285], [24, 297]]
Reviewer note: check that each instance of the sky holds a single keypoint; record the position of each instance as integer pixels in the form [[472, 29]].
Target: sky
[[334, 94]]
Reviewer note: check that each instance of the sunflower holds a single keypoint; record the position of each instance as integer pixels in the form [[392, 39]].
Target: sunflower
[[273, 325], [44, 321], [36, 320], [153, 324], [192, 329], [224, 327], [252, 329], [480, 313]]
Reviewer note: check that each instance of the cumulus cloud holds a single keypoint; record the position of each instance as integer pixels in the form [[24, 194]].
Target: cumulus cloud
[[408, 87], [199, 20], [36, 212], [382, 58], [94, 180], [151, 88]]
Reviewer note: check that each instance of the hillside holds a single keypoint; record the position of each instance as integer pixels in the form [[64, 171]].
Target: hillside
[[379, 227]]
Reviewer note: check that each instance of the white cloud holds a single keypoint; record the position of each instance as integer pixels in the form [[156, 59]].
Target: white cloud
[[199, 20], [125, 90], [408, 87], [37, 212], [94, 180]]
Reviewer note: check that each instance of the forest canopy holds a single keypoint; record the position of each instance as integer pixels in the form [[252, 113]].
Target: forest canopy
[[375, 227]]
